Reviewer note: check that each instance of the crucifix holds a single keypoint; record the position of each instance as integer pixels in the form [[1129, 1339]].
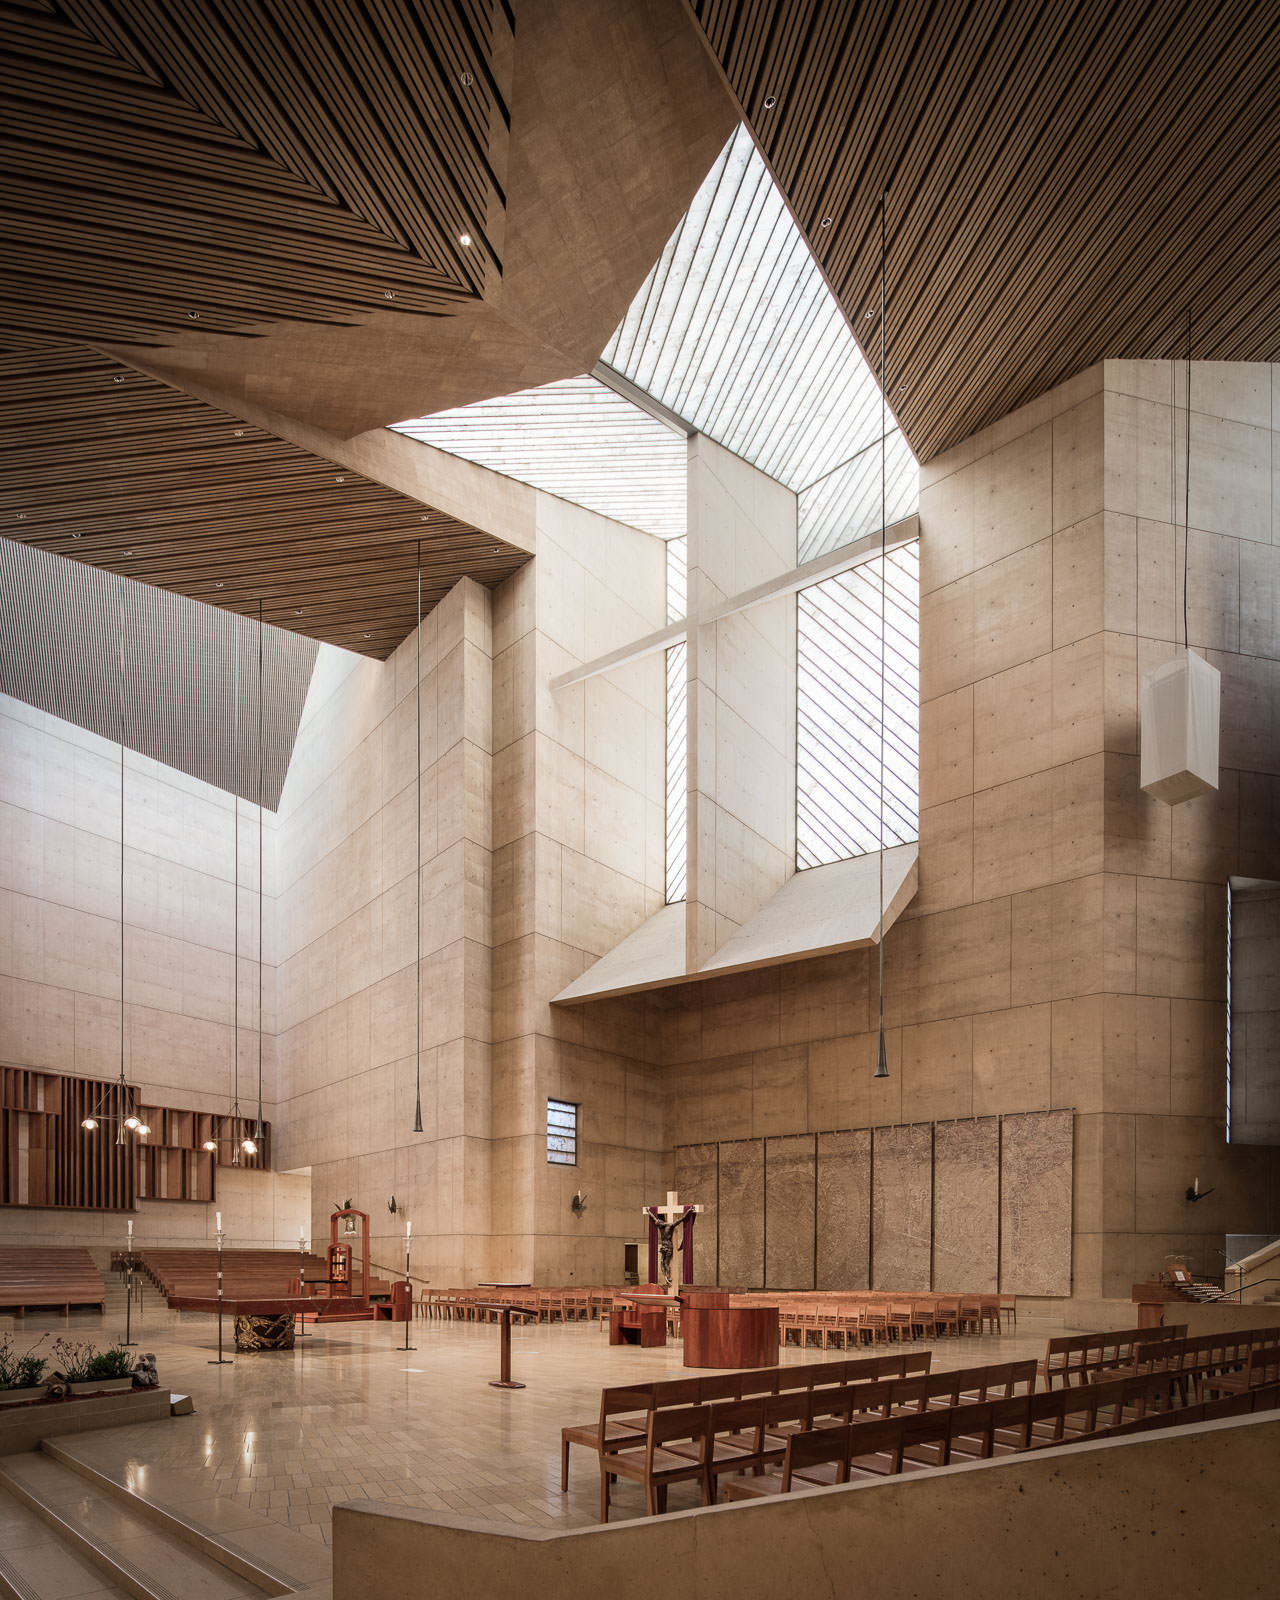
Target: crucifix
[[663, 1222]]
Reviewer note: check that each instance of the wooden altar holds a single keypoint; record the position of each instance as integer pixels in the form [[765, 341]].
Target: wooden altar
[[718, 1334]]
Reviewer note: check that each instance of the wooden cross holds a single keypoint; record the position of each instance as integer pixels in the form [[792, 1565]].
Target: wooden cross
[[673, 1210]]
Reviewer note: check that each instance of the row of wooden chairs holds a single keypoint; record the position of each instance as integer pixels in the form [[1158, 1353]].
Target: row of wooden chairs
[[1079, 1357], [867, 1450], [577, 1304], [877, 1317], [625, 1407], [823, 1437]]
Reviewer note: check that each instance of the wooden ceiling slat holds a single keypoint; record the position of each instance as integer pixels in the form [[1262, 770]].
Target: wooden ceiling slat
[[148, 482], [1063, 181]]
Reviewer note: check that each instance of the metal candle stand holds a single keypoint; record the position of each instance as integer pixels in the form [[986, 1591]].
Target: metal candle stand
[[408, 1296], [128, 1341], [302, 1267], [222, 1361]]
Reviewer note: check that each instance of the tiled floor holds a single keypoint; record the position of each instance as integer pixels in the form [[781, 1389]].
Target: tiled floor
[[278, 1437]]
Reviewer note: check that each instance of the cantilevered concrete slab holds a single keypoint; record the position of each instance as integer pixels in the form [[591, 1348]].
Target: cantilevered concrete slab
[[815, 913]]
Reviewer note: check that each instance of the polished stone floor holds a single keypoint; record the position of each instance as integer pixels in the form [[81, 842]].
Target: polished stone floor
[[277, 1438]]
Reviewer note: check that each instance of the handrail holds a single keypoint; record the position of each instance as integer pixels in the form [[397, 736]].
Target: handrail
[[1256, 1284], [398, 1274]]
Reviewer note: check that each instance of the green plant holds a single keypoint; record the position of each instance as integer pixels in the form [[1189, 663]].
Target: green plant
[[19, 1371], [74, 1360], [112, 1363]]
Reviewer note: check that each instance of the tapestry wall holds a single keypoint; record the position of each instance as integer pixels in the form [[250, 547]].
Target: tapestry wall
[[976, 1205]]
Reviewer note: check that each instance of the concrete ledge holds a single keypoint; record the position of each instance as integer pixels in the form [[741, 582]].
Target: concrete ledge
[[1189, 1509], [23, 1427]]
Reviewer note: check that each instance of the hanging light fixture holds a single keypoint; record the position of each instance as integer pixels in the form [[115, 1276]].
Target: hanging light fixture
[[120, 1094], [235, 942], [417, 900], [1181, 698], [882, 1061]]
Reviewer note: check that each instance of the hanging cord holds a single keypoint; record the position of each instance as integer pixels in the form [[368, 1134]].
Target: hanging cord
[[417, 898], [235, 912], [258, 1131], [1186, 493], [124, 1108], [882, 1064]]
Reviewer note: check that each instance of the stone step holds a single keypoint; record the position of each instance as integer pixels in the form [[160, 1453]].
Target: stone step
[[130, 1546]]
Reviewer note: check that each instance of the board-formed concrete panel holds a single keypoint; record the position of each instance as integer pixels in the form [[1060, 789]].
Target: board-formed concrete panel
[[1035, 1202], [697, 1184], [790, 1210], [901, 1206], [844, 1209], [966, 1205], [742, 1214]]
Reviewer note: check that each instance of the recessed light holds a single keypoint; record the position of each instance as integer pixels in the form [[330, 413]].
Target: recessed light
[[826, 222], [22, 516], [239, 433], [128, 552], [297, 611], [77, 535], [497, 549], [219, 585], [868, 316], [770, 102], [193, 316], [465, 79], [339, 480], [388, 294], [464, 238], [119, 378], [424, 519], [368, 636]]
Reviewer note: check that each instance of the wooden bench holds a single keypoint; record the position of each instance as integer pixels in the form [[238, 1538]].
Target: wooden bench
[[49, 1277]]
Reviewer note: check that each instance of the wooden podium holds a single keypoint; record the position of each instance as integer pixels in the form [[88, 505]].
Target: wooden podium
[[640, 1318], [717, 1334]]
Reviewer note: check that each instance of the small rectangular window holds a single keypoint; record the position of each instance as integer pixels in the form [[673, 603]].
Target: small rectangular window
[[562, 1133]]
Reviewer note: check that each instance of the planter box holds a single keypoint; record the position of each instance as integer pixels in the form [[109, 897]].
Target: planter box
[[102, 1386], [19, 1397]]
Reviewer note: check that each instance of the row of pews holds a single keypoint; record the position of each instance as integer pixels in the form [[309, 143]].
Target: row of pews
[[49, 1277], [774, 1430], [247, 1274]]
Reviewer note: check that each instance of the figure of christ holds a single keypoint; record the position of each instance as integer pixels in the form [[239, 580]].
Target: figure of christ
[[666, 1246]]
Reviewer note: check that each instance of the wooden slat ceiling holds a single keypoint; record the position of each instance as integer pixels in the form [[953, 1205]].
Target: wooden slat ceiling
[[230, 166], [267, 203], [108, 465], [1064, 182]]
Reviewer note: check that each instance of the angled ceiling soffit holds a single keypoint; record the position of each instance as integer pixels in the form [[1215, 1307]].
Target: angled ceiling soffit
[[171, 679], [109, 464]]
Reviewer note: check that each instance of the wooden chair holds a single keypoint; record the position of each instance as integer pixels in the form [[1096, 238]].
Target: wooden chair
[[735, 1440], [875, 1321], [922, 1317], [812, 1460], [622, 1421], [901, 1321], [946, 1315], [655, 1466], [1009, 1308]]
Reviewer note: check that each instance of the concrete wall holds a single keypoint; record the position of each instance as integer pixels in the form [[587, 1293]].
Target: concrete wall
[[579, 786], [742, 698], [60, 947], [1188, 1509], [348, 941], [1067, 947]]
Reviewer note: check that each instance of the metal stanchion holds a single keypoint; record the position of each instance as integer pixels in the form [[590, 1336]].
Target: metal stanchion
[[222, 1361]]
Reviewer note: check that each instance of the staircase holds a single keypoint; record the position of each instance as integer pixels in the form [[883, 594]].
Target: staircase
[[66, 1528], [150, 1308], [109, 1536]]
